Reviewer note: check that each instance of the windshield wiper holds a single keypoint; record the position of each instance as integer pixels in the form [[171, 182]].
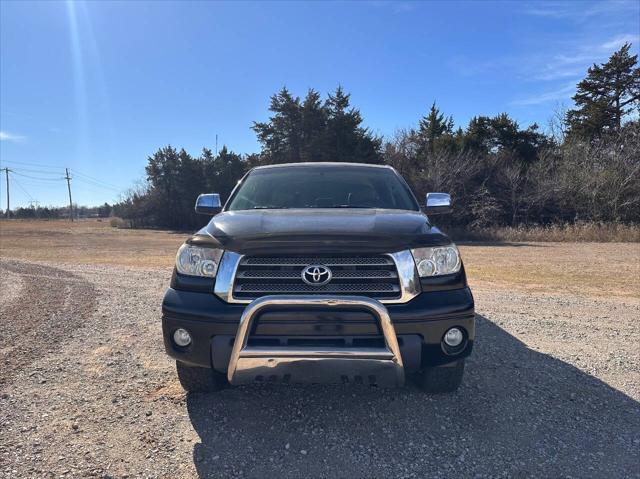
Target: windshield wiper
[[267, 207], [350, 206]]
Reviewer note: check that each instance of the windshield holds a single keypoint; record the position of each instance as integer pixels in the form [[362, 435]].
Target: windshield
[[322, 187]]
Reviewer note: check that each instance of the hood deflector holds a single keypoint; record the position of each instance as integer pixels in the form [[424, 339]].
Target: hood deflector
[[319, 231]]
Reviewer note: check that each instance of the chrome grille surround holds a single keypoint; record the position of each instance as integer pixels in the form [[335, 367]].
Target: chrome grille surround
[[258, 276], [396, 273]]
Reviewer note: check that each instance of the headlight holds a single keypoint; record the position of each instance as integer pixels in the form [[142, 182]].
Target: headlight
[[196, 261], [437, 261]]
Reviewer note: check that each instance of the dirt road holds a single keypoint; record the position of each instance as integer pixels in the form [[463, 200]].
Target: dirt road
[[552, 390]]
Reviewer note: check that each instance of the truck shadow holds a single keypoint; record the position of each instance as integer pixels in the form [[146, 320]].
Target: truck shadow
[[519, 413]]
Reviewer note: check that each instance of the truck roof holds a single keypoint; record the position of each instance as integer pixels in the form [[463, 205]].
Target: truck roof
[[321, 163]]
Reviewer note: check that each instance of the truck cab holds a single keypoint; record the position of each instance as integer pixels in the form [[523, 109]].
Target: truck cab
[[319, 273]]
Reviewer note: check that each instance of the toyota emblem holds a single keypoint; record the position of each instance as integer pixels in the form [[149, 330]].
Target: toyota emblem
[[316, 275]]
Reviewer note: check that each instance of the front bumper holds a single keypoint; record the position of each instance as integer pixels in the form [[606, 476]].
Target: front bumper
[[418, 326]]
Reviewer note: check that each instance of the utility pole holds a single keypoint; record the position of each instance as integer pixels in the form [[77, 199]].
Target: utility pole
[[68, 178], [6, 171], [216, 144]]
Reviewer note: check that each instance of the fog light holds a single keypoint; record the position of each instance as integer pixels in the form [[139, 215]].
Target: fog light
[[182, 337], [453, 337]]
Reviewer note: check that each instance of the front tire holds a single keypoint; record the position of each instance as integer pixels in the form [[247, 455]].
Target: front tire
[[441, 379], [200, 380]]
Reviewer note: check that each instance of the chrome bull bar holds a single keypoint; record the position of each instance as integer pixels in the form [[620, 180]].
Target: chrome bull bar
[[381, 366]]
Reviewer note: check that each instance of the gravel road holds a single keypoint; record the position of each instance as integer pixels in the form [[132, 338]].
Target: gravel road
[[552, 390]]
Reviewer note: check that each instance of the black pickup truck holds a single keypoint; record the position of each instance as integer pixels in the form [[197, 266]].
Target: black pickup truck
[[319, 272]]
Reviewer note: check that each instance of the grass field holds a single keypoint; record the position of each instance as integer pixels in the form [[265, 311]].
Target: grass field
[[592, 269], [87, 242]]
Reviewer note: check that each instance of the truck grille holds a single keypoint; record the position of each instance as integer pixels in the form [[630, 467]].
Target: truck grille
[[374, 276]]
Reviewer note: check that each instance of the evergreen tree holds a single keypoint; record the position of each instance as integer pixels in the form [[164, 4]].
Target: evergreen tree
[[606, 96], [346, 139], [190, 183], [314, 124], [163, 170], [502, 134], [433, 127], [315, 131], [281, 136], [229, 168], [104, 211]]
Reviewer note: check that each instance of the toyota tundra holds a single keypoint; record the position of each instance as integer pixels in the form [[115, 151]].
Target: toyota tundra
[[319, 273]]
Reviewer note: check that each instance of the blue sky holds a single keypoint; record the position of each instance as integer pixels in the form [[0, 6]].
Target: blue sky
[[99, 86]]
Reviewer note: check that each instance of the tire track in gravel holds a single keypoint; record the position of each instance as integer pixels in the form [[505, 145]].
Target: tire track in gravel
[[50, 304]]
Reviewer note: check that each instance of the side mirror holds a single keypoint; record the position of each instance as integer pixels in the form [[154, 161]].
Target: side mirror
[[438, 203], [208, 204]]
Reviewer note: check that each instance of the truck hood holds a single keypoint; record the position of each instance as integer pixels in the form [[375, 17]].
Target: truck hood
[[303, 231]]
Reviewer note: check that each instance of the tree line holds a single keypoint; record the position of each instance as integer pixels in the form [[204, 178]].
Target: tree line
[[586, 167], [58, 212]]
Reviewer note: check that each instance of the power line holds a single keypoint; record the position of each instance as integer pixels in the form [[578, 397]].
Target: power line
[[98, 185], [82, 177], [40, 165], [39, 171], [36, 177], [23, 189], [44, 175], [96, 179], [92, 188], [39, 186], [48, 169]]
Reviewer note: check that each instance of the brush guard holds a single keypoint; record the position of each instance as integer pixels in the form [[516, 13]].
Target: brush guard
[[381, 366]]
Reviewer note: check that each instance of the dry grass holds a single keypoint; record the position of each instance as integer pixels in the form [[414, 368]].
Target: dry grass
[[571, 232], [87, 242], [591, 269]]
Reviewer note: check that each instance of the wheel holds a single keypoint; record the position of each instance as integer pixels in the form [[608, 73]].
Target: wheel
[[200, 380], [441, 379]]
